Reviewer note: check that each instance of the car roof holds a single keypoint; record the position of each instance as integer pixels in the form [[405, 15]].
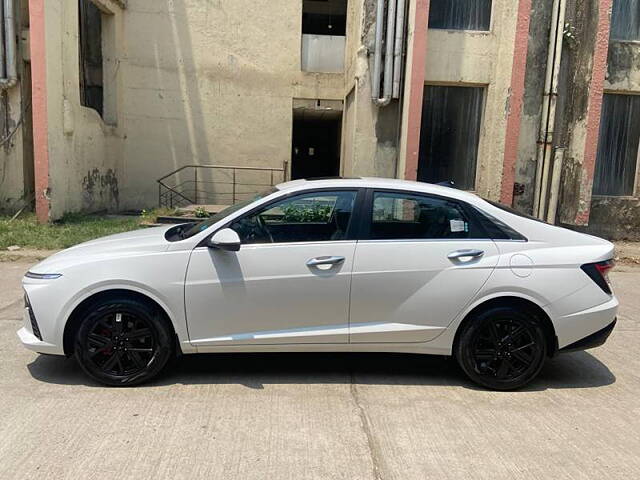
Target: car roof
[[376, 182]]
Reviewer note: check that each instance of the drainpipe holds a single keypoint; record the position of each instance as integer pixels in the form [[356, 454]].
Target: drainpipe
[[377, 58], [547, 120], [388, 58], [554, 192], [398, 48], [10, 74]]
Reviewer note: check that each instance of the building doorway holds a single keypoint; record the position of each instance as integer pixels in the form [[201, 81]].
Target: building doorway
[[316, 142]]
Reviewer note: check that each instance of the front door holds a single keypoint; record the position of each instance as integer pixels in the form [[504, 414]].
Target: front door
[[422, 261], [288, 284]]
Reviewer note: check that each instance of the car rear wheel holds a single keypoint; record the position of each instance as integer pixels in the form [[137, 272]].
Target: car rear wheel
[[123, 342], [502, 348]]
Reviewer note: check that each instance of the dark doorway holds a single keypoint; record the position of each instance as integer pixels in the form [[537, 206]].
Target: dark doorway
[[316, 144]]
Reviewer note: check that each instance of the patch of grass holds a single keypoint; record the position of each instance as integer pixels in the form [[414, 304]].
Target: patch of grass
[[72, 229]]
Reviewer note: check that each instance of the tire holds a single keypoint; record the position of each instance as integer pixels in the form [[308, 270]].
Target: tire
[[502, 348], [123, 342]]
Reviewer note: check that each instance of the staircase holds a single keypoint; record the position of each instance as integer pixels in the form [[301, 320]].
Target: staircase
[[215, 185]]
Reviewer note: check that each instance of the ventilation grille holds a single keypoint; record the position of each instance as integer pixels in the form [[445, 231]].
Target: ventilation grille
[[34, 324]]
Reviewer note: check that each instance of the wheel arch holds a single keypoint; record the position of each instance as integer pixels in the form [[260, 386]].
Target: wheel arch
[[514, 302], [75, 317]]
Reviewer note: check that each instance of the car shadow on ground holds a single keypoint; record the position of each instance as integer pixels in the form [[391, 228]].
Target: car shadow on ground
[[571, 370]]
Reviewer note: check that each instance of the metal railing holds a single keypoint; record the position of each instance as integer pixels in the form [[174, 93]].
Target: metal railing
[[215, 184]]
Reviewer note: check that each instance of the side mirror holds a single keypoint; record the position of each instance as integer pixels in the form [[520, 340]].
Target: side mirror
[[225, 239]]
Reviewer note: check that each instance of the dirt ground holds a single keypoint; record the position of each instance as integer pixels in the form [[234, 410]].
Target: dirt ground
[[308, 416]]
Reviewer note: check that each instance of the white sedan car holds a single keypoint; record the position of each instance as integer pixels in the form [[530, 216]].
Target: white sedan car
[[329, 265]]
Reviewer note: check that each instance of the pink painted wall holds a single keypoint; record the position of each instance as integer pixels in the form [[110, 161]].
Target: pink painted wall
[[516, 97], [416, 89], [39, 108]]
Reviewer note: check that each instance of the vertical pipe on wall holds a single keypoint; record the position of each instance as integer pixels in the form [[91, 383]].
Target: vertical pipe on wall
[[547, 120], [554, 192], [398, 48], [377, 54], [10, 77]]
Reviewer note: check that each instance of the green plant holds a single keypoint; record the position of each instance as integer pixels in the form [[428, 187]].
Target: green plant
[[307, 214], [201, 212]]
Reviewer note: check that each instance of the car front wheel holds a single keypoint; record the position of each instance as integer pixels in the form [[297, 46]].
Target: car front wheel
[[123, 342], [502, 348]]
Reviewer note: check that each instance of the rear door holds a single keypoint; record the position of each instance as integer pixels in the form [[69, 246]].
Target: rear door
[[422, 260]]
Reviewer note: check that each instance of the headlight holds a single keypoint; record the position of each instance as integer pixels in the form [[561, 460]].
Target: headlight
[[43, 276]]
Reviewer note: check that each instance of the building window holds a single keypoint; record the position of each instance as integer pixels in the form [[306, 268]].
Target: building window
[[625, 20], [97, 62], [618, 145], [460, 14], [324, 17], [324, 25], [91, 74], [450, 133]]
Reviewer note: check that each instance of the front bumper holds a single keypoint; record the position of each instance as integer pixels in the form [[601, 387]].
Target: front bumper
[[32, 342], [591, 341]]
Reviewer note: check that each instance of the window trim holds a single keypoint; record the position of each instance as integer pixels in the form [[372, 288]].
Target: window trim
[[367, 216], [492, 17], [483, 113], [635, 191], [352, 234]]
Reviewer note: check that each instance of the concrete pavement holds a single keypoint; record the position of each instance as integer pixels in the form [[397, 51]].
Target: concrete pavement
[[296, 416]]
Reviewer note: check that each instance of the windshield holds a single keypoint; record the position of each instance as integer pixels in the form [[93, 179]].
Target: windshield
[[193, 229]]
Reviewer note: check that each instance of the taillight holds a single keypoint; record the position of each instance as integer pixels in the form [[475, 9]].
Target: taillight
[[598, 272]]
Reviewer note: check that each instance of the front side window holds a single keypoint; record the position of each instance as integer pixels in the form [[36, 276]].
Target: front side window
[[460, 14], [412, 216], [310, 217]]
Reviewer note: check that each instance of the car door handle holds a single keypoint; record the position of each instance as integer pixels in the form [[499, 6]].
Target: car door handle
[[314, 262], [470, 253]]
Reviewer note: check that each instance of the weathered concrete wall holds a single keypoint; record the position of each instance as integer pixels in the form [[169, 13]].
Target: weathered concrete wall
[[480, 59], [370, 146], [618, 218], [539, 26], [614, 218], [210, 83], [16, 153], [583, 71], [85, 153], [190, 82]]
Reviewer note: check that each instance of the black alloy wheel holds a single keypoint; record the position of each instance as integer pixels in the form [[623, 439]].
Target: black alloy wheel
[[123, 342], [502, 348]]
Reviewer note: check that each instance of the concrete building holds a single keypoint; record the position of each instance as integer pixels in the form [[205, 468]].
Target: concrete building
[[528, 102]]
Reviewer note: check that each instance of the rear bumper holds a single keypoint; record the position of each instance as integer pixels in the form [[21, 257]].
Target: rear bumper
[[591, 341]]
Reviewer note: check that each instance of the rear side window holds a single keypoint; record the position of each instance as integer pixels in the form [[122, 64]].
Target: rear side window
[[397, 215]]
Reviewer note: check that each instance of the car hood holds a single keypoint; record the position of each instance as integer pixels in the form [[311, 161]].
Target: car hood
[[147, 240]]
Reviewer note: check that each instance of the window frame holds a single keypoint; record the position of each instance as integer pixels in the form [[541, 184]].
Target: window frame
[[471, 31], [483, 109], [366, 222], [635, 190], [352, 234]]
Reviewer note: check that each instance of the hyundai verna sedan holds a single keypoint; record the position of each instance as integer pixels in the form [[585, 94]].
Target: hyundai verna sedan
[[348, 265]]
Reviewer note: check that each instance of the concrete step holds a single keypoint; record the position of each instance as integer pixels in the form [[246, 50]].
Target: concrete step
[[210, 209], [164, 220]]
